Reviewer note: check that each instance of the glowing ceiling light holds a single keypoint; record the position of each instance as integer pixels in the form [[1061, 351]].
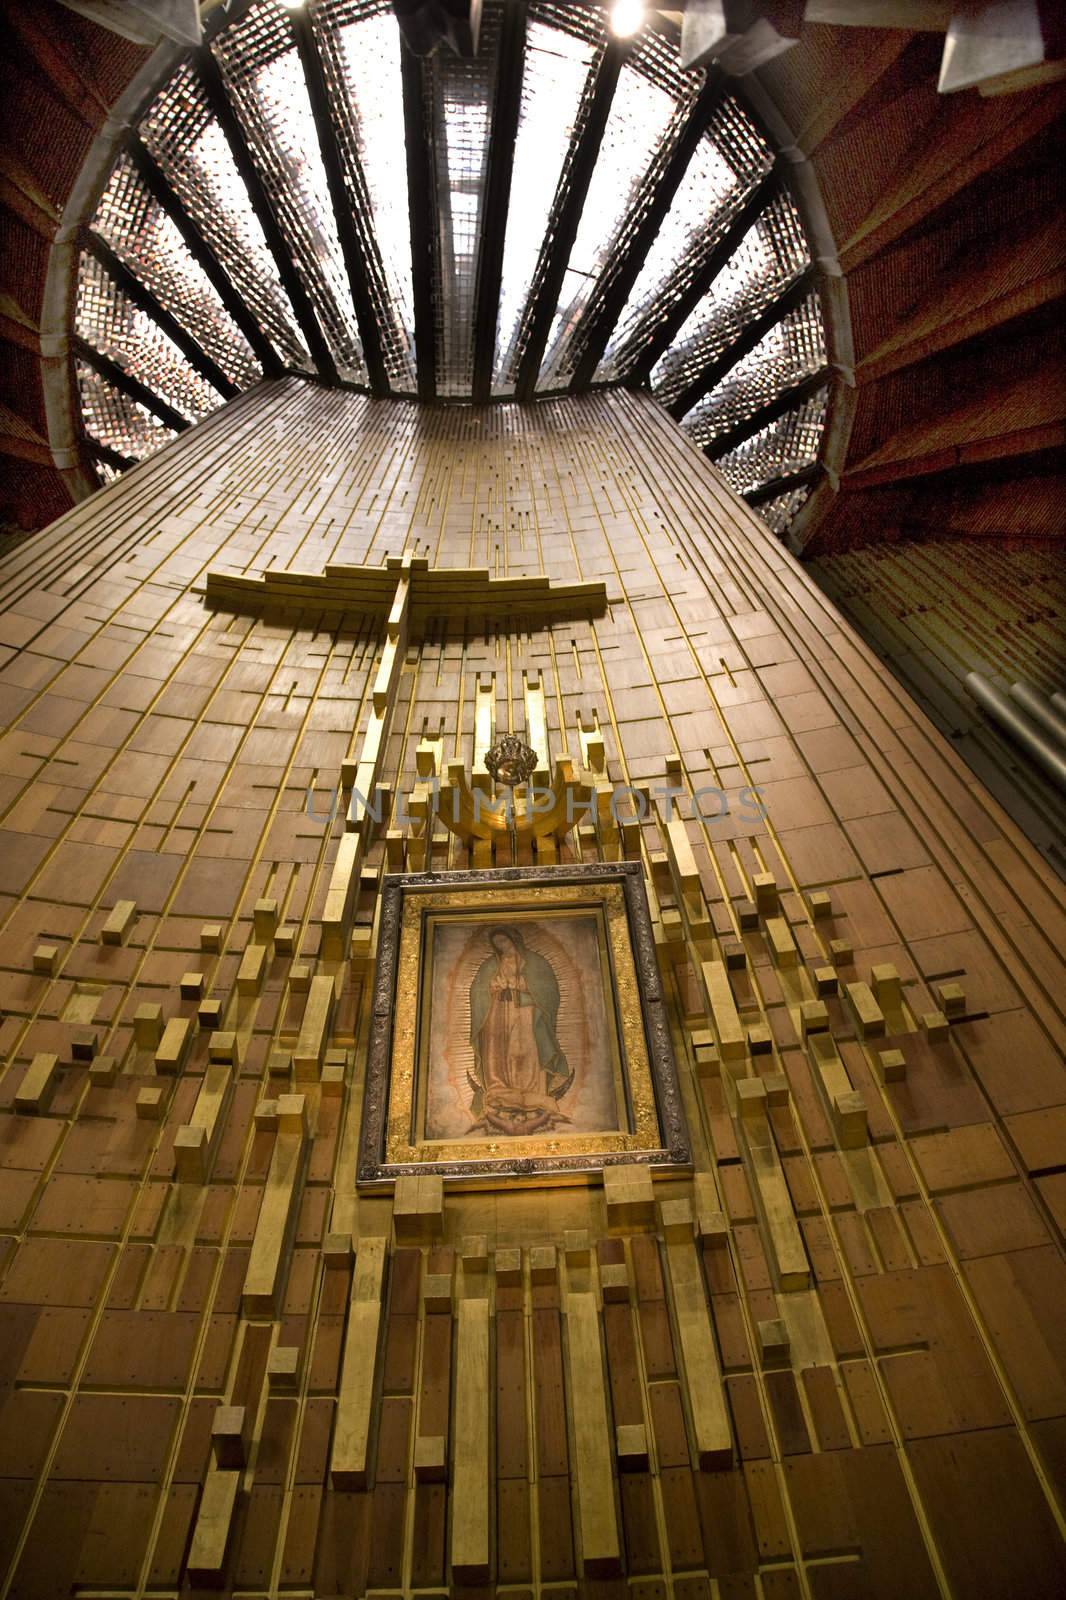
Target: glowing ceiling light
[[627, 16]]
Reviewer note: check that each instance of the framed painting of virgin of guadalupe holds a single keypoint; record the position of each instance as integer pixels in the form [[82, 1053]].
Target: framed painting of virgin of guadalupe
[[518, 1029]]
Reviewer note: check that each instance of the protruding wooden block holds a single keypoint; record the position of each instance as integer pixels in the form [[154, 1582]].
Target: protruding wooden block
[[332, 1080], [826, 981], [577, 1248], [209, 1015], [102, 1072], [211, 936], [119, 922], [592, 1466], [224, 1046], [207, 1552], [675, 1219], [349, 768], [841, 952], [893, 1065], [507, 1265], [279, 1064], [751, 1097], [747, 915], [728, 1029], [191, 1152], [431, 1458], [292, 1113], [814, 1017], [275, 1225], [781, 942], [191, 985], [265, 1116], [299, 977], [46, 959], [735, 955], [766, 897], [849, 1120], [699, 1356], [147, 1026], [285, 940], [349, 1461], [778, 1092], [712, 1227], [629, 1195], [952, 999], [172, 1047], [418, 1209], [264, 920], [631, 1447], [474, 1253], [337, 1250], [775, 1346], [543, 1264], [935, 1026], [314, 1029], [760, 1039], [252, 968], [228, 1428], [283, 1367], [83, 1043], [869, 1018], [614, 1281], [887, 984], [821, 903], [473, 1492], [708, 1061], [151, 1103], [38, 1085], [437, 1291]]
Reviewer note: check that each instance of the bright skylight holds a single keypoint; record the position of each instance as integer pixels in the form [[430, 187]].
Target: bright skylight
[[243, 244], [556, 71], [640, 115]]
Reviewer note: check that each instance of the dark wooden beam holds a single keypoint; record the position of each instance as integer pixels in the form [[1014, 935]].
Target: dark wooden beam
[[421, 195], [129, 385], [168, 200], [347, 232], [113, 458], [603, 314], [780, 406], [142, 296], [791, 480], [667, 330], [713, 374], [565, 224], [497, 197], [210, 76]]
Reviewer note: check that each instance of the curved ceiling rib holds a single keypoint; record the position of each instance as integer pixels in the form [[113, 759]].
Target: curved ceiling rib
[[561, 209]]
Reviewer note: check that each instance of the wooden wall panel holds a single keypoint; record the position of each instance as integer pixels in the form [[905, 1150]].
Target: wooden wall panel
[[862, 1405]]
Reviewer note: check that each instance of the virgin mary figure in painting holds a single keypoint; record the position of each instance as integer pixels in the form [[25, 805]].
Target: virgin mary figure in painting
[[520, 1073]]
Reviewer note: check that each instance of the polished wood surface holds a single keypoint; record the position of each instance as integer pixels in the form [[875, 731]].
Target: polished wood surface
[[828, 1362]]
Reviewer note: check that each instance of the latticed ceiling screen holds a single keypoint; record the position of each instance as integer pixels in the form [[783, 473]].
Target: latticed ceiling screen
[[146, 239], [195, 157], [782, 448], [792, 350], [260, 222]]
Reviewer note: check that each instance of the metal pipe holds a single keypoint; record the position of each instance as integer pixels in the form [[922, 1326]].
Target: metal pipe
[[1040, 708], [1010, 719]]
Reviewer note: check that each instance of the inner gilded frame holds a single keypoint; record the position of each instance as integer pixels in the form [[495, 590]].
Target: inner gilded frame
[[466, 1081]]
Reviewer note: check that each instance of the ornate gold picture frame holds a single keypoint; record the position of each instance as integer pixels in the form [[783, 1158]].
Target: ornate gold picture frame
[[518, 1029]]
